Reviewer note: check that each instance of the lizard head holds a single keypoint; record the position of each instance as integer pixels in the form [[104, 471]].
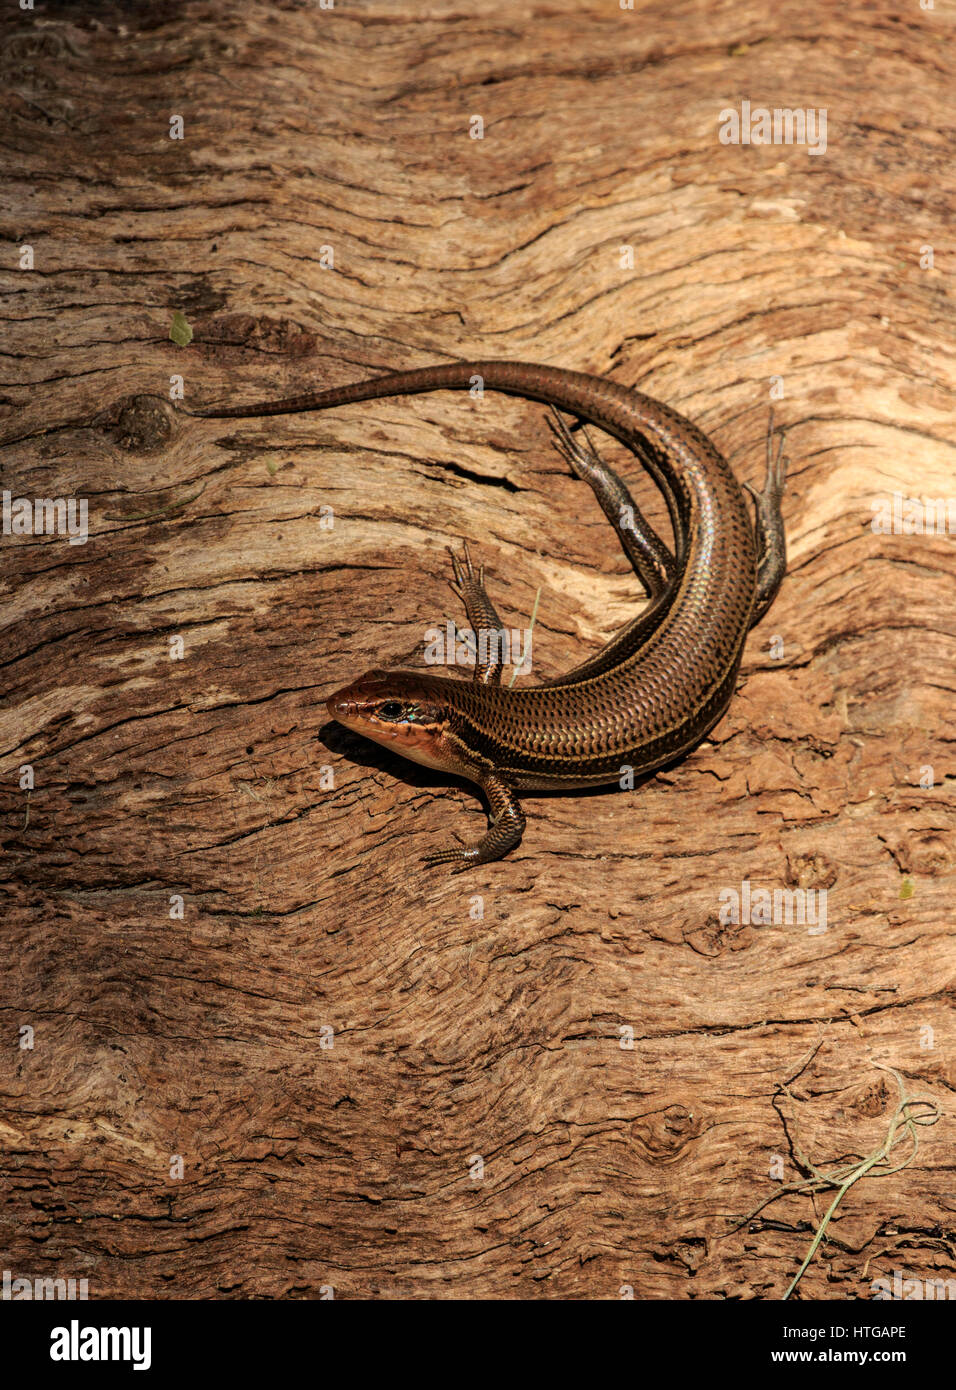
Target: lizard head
[[398, 709]]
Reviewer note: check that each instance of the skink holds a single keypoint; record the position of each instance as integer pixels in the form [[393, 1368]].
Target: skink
[[658, 687]]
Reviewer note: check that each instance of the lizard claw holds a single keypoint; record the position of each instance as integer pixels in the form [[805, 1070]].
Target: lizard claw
[[464, 571], [462, 856], [580, 459]]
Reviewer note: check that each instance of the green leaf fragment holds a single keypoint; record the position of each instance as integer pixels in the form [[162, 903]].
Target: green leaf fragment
[[180, 331]]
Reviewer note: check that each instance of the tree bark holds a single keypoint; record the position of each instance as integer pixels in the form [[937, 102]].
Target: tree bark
[[252, 1048]]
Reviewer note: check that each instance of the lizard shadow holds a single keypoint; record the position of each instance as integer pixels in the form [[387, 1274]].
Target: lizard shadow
[[365, 752]]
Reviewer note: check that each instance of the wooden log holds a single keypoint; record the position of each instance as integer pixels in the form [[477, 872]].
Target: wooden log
[[252, 1048]]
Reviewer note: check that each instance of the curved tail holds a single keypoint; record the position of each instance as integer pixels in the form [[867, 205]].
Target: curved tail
[[652, 430]]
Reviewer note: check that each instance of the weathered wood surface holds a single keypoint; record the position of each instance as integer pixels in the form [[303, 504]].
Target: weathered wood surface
[[305, 909]]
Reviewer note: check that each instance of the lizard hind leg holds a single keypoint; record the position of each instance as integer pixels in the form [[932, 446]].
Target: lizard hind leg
[[768, 529], [651, 559]]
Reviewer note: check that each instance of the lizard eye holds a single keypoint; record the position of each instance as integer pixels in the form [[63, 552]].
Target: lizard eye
[[392, 709]]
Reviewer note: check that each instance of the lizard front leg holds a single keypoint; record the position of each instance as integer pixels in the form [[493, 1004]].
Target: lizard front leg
[[490, 637], [506, 824]]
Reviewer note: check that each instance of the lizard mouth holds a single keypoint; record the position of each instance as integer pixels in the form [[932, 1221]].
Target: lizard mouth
[[341, 707], [347, 704]]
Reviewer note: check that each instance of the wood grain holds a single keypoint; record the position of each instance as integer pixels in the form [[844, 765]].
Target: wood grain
[[330, 1036]]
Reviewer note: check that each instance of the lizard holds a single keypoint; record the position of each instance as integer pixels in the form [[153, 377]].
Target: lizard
[[658, 687]]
